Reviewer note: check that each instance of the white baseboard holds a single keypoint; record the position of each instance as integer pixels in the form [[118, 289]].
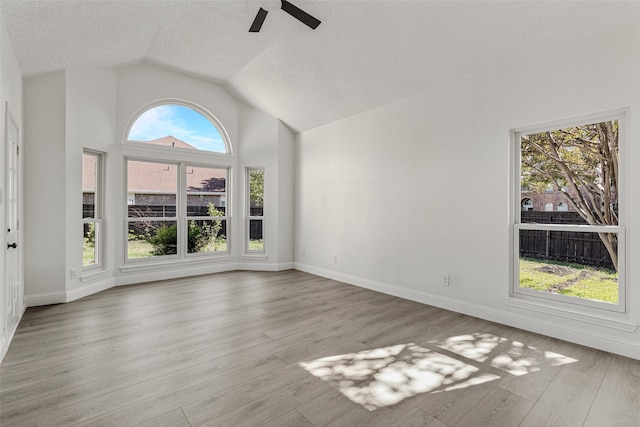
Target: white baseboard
[[4, 346], [5, 341], [35, 300], [91, 289], [257, 266], [529, 322]]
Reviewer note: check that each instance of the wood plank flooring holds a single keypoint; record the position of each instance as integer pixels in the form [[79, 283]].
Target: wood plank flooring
[[293, 349]]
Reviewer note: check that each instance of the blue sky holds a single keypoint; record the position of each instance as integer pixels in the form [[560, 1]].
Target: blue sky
[[181, 122]]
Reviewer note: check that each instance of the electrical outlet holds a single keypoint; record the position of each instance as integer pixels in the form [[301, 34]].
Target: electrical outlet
[[445, 280], [72, 273]]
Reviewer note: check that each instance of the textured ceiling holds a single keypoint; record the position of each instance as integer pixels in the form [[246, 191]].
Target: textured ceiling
[[364, 54]]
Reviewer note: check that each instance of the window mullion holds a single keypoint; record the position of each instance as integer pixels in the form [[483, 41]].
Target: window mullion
[[181, 212]]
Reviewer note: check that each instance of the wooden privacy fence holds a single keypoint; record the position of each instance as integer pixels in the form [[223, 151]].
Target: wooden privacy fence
[[151, 211], [569, 246]]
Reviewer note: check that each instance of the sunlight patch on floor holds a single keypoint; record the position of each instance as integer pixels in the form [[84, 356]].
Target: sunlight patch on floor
[[386, 376], [513, 357]]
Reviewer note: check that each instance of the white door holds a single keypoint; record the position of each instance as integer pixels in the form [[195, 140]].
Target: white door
[[13, 279]]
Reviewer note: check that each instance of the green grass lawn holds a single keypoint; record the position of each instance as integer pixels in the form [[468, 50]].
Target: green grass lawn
[[139, 249], [569, 279], [143, 249], [88, 254]]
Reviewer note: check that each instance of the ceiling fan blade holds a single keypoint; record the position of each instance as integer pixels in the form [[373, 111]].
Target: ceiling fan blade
[[300, 14], [258, 21]]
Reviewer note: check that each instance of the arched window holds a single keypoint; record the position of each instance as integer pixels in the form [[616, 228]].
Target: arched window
[[527, 204], [181, 125], [176, 183]]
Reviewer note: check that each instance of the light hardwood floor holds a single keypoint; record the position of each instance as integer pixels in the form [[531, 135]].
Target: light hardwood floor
[[293, 349]]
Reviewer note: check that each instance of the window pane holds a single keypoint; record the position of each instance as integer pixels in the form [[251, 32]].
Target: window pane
[[179, 127], [578, 264], [573, 170], [90, 235], [256, 192], [152, 187], [89, 182], [206, 191], [256, 241], [207, 236], [152, 238]]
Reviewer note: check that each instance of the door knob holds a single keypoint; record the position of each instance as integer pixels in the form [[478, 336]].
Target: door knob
[[13, 245]]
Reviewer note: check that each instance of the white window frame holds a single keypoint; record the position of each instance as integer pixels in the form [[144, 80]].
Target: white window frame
[[557, 301], [128, 220], [182, 212], [98, 216], [140, 151], [249, 217]]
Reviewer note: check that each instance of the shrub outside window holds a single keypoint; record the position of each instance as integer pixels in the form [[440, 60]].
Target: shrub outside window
[[574, 254]]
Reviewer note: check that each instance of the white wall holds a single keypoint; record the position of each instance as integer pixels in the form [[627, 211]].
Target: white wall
[[395, 198], [285, 196], [11, 94], [45, 198]]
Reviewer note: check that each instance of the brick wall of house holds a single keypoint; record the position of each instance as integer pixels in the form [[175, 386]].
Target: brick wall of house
[[541, 200]]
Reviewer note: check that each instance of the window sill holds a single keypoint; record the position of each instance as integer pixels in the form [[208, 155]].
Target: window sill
[[579, 316], [145, 266]]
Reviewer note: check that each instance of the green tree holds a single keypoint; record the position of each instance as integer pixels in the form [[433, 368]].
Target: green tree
[[256, 188], [216, 224], [581, 162]]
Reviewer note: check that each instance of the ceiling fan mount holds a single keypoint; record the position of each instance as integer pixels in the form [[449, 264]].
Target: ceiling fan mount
[[288, 7]]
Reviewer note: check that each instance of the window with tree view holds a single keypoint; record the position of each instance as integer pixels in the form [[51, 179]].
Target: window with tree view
[[568, 233], [255, 217]]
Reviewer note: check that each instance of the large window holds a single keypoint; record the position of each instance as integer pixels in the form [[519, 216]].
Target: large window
[[574, 254], [178, 167], [92, 208], [178, 209], [255, 214]]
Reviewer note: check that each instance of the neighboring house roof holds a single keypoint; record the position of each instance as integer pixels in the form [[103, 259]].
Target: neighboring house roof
[[148, 177], [168, 141]]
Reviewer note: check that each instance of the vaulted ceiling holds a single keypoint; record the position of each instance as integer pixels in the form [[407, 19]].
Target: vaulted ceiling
[[363, 54]]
